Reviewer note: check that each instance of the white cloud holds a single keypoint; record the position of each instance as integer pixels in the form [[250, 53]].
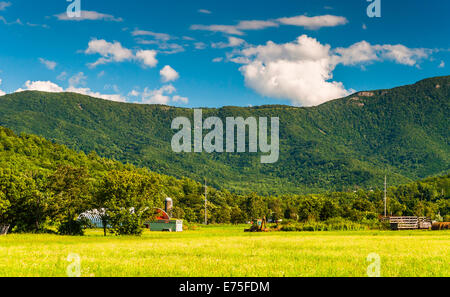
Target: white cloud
[[164, 95], [49, 64], [88, 15], [232, 30], [299, 71], [314, 23], [168, 74], [77, 79], [302, 71], [4, 5], [180, 99], [217, 60], [163, 46], [158, 96], [109, 51], [236, 29], [364, 52], [48, 86], [115, 52], [256, 25], [361, 52], [232, 42], [160, 36], [364, 26], [311, 23], [88, 92], [134, 93], [44, 86], [1, 92], [204, 11], [442, 65], [147, 57]]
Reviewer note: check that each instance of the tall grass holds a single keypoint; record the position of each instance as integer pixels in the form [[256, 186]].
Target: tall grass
[[228, 251], [335, 224]]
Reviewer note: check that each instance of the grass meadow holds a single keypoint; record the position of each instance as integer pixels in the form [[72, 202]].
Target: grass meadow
[[226, 251]]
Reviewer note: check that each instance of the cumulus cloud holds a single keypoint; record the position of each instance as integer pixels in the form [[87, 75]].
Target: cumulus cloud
[[90, 16], [158, 96], [299, 71], [314, 23], [48, 86], [302, 71], [88, 92], [168, 74], [164, 95], [115, 52], [147, 57], [44, 86], [442, 65], [364, 52], [110, 51]]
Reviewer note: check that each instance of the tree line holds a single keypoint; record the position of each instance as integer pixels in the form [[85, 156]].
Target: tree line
[[45, 186]]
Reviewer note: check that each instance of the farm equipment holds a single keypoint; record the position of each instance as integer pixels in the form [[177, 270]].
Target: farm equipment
[[259, 225]]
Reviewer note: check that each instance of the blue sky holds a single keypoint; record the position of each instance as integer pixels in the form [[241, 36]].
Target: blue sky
[[216, 53]]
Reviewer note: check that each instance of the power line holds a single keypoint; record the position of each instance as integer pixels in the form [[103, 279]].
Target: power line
[[206, 200]]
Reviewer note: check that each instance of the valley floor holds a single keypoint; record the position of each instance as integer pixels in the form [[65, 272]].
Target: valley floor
[[228, 251]]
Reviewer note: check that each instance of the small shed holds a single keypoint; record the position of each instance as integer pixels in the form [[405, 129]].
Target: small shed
[[170, 225]]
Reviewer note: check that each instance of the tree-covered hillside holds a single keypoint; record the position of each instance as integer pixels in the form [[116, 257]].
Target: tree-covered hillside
[[341, 145], [46, 186]]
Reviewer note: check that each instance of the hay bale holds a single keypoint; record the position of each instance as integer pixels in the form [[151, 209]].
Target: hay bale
[[441, 226]]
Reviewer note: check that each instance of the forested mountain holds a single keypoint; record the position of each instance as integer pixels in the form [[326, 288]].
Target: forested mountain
[[45, 186], [341, 145]]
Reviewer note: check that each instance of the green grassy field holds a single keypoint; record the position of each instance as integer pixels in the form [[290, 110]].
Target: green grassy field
[[228, 251]]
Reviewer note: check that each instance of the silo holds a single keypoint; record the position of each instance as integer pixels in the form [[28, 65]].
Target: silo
[[168, 205]]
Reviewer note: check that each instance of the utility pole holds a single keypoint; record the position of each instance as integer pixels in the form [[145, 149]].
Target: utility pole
[[206, 200], [385, 195]]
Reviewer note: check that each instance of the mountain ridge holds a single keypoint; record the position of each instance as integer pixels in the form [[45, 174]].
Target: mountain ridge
[[339, 145]]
